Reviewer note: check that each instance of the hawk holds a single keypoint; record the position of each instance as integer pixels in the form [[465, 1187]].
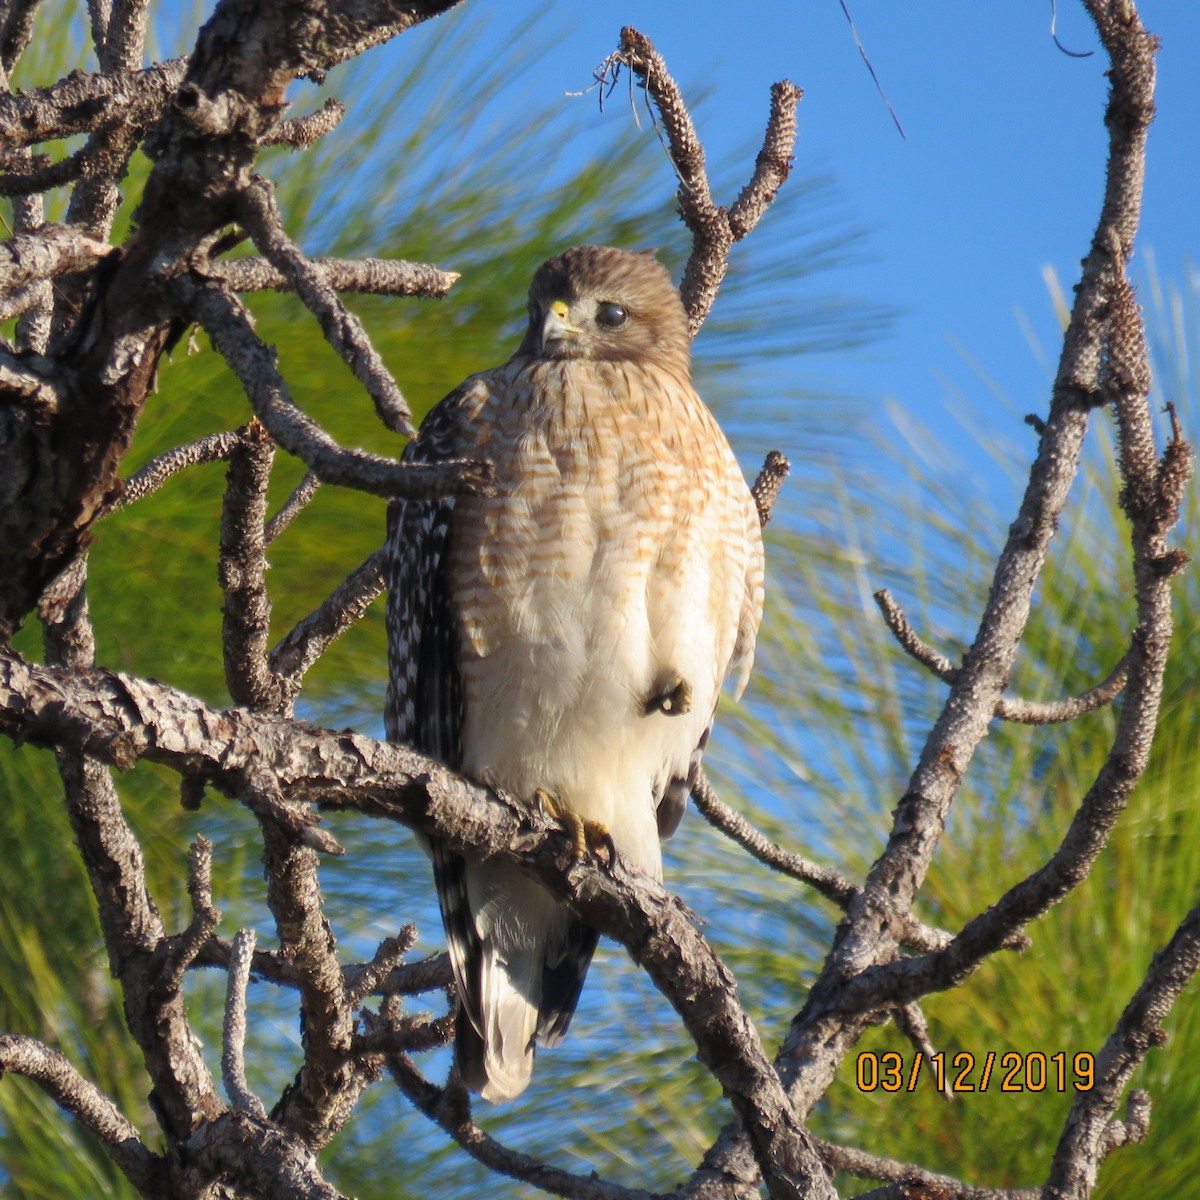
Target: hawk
[[565, 638]]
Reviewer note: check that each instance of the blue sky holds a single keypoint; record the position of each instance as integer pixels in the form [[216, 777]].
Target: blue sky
[[999, 177]]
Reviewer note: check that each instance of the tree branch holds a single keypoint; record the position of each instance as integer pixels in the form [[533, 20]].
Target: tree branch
[[233, 1055], [367, 276], [122, 719], [242, 570], [450, 1109], [84, 1100], [342, 329], [1024, 712], [714, 229], [232, 332]]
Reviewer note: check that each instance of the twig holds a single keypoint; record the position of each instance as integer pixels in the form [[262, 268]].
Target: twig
[[343, 330], [241, 568], [215, 447], [84, 103], [908, 930], [408, 979], [371, 975], [80, 1097], [450, 1109], [365, 276], [301, 132], [714, 229], [232, 332], [774, 471], [260, 794], [860, 1163], [1008, 708], [323, 1095], [233, 1054], [298, 500], [403, 1034], [179, 952], [1089, 1130], [294, 654], [910, 1020]]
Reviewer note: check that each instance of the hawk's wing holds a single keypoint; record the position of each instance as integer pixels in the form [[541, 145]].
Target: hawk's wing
[[424, 707]]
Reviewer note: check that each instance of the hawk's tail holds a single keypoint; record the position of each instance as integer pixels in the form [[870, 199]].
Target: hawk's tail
[[532, 957]]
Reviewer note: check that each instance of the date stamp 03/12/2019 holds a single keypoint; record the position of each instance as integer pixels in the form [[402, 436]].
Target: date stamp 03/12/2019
[[967, 1072]]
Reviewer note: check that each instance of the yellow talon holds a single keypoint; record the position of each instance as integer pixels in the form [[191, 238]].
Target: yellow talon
[[587, 837]]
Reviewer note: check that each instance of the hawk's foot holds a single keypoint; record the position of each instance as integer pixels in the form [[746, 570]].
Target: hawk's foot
[[588, 837], [671, 695]]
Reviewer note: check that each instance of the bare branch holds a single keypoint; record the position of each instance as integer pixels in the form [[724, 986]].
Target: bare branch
[[910, 1020], [450, 1108], [324, 1094], [181, 951], [408, 979], [366, 276], [123, 718], [296, 653], [714, 229], [139, 953], [872, 1166], [215, 447], [371, 975], [49, 251], [233, 1055], [84, 1100], [299, 499], [1089, 1130], [84, 103], [241, 568], [766, 487], [1008, 708], [908, 930], [232, 331], [343, 330], [16, 31], [301, 132]]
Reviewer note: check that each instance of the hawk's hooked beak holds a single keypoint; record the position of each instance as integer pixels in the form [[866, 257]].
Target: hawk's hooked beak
[[555, 326]]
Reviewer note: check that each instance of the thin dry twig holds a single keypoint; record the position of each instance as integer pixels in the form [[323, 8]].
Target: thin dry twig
[[233, 1052], [80, 1097], [214, 447], [298, 500], [922, 1183], [908, 930], [1008, 708], [303, 646], [301, 132], [365, 276], [714, 229], [767, 485], [450, 1108], [232, 331], [241, 569], [342, 329]]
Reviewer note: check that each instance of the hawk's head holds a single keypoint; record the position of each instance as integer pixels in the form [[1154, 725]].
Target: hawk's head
[[597, 302]]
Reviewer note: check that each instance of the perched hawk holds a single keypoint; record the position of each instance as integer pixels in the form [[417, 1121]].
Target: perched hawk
[[566, 637]]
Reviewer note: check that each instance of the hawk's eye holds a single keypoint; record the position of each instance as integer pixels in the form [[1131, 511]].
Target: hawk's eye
[[611, 316]]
